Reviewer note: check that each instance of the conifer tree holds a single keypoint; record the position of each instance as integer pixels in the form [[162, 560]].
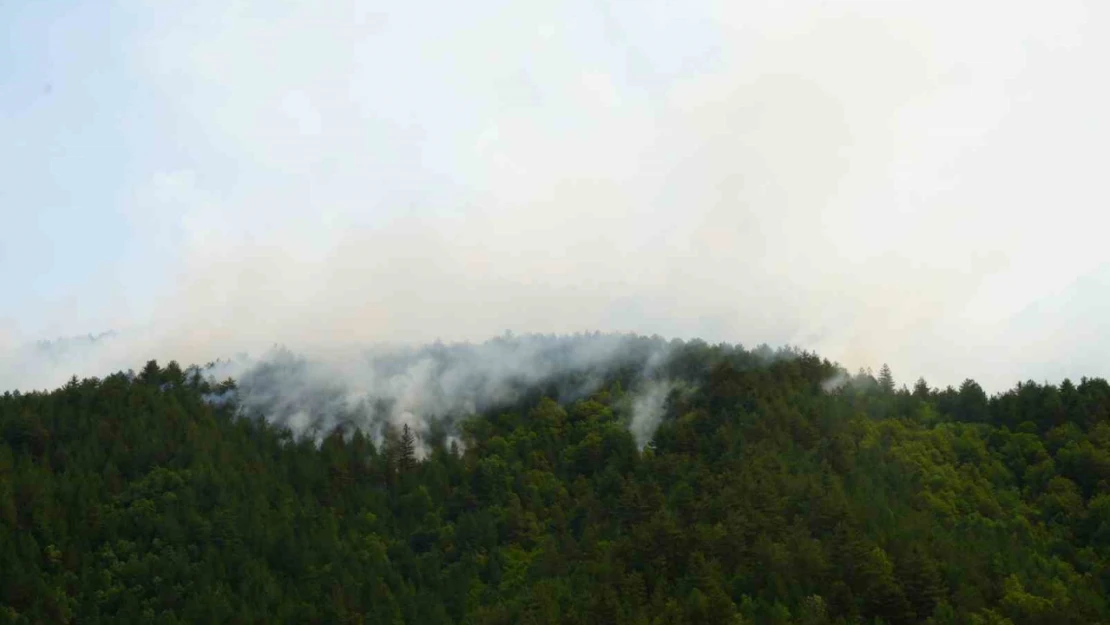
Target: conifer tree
[[886, 379], [406, 456]]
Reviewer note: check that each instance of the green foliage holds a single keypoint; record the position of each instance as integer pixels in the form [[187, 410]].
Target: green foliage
[[761, 499]]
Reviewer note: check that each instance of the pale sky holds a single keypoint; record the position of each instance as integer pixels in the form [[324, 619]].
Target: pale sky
[[921, 183]]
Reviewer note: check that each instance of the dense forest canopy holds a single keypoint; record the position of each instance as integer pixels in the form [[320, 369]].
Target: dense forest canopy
[[767, 487]]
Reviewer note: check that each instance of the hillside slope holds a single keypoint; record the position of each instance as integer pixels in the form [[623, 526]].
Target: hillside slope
[[767, 495]]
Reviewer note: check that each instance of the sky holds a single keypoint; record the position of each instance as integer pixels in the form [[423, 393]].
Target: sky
[[920, 183]]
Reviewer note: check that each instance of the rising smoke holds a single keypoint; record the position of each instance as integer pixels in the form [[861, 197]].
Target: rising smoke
[[647, 409], [427, 387], [381, 385], [417, 386], [409, 385]]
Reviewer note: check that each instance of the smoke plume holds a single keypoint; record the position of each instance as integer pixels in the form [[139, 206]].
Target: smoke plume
[[647, 409], [377, 386]]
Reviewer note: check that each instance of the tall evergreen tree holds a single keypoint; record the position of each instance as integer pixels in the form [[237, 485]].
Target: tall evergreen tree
[[406, 455], [886, 379]]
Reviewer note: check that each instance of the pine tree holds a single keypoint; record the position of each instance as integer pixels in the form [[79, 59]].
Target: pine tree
[[886, 379], [406, 456], [921, 389]]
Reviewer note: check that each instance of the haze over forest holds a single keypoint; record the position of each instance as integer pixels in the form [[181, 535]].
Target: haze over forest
[[916, 183], [575, 313]]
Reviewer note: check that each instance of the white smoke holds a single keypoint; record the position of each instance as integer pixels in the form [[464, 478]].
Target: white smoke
[[836, 382], [429, 388], [647, 410], [863, 380], [369, 388]]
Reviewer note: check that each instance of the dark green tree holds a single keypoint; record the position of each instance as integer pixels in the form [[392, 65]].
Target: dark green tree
[[406, 452], [886, 379]]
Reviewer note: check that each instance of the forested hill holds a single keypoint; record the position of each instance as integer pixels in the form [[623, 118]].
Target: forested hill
[[774, 491]]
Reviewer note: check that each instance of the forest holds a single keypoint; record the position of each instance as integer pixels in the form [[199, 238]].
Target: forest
[[773, 490]]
